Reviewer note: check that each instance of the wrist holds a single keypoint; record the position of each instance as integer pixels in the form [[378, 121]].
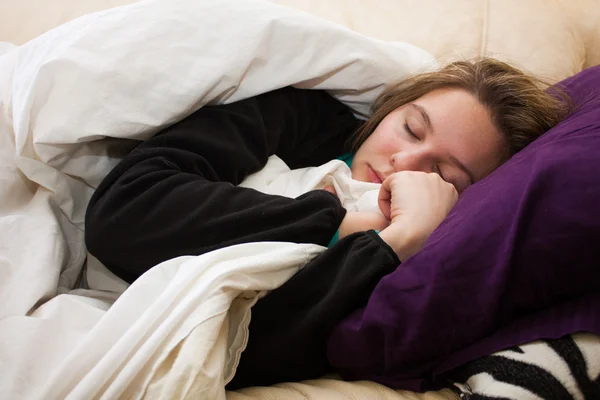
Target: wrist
[[348, 225], [403, 241]]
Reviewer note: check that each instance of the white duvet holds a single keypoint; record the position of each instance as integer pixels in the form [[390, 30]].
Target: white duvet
[[277, 178], [67, 101]]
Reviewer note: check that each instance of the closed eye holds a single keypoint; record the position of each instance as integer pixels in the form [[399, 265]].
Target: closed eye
[[409, 131], [459, 187], [438, 171]]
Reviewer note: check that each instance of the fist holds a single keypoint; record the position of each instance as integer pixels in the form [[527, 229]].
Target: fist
[[416, 203]]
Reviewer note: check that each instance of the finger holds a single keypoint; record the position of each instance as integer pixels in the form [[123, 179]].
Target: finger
[[384, 202], [386, 209], [387, 182]]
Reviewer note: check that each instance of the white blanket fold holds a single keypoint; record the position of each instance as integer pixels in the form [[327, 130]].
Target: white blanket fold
[[124, 74]]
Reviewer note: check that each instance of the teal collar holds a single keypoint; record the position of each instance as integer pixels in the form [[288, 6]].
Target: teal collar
[[347, 158]]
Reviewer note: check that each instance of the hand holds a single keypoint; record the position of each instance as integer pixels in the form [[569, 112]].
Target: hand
[[360, 221], [416, 203], [330, 189]]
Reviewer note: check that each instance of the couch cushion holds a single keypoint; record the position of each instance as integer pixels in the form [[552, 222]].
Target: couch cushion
[[551, 38], [539, 36]]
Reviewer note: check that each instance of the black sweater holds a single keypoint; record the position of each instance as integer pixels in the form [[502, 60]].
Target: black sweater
[[175, 194]]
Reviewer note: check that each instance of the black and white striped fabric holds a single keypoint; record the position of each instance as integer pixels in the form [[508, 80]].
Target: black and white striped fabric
[[561, 369]]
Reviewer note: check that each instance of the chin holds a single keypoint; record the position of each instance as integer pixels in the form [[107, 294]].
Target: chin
[[360, 172], [356, 175]]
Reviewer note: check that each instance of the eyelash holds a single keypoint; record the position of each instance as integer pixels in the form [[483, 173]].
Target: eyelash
[[439, 171], [409, 131]]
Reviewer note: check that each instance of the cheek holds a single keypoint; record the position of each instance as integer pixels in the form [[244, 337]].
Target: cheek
[[386, 138]]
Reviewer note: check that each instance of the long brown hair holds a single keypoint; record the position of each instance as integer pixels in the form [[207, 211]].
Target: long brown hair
[[520, 105]]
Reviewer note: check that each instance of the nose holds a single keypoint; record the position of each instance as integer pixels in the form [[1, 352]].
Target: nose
[[412, 160]]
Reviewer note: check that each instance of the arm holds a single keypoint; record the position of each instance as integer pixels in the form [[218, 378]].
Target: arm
[[362, 346], [290, 326], [176, 193]]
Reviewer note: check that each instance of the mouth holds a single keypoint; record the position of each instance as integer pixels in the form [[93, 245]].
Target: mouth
[[373, 176]]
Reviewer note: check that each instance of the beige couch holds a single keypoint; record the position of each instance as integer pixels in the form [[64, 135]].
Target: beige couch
[[552, 38]]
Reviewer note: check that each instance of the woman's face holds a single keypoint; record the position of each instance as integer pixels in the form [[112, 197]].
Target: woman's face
[[447, 131]]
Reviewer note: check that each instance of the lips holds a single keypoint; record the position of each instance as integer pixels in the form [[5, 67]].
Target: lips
[[373, 176]]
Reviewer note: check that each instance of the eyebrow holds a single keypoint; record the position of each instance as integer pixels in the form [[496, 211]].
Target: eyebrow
[[463, 168], [423, 114]]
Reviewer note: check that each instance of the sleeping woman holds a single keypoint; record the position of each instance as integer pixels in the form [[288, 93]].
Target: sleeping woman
[[429, 138]]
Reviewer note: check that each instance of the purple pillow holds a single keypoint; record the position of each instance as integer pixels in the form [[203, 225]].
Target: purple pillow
[[517, 259]]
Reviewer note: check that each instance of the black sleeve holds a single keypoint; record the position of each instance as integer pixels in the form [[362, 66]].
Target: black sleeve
[[175, 194], [290, 326]]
